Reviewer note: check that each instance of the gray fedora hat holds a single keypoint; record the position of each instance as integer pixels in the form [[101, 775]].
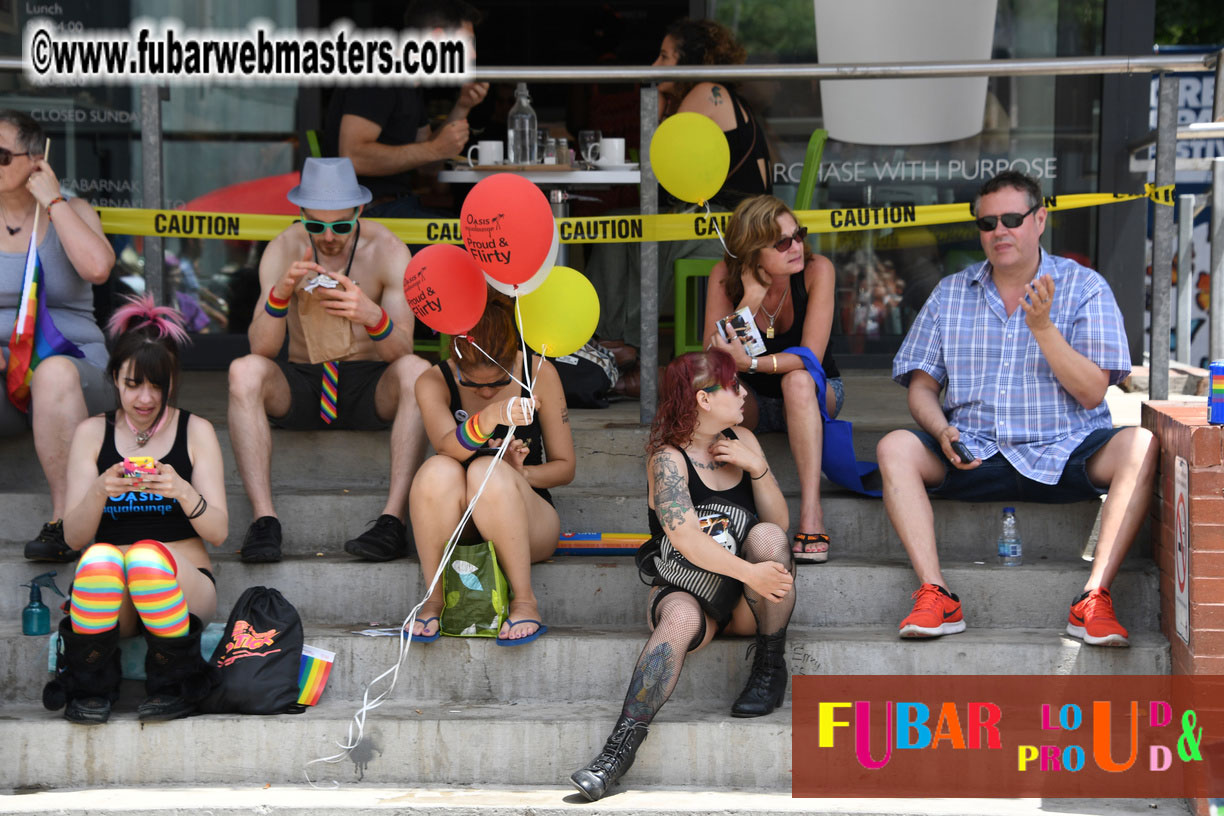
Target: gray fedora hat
[[329, 184]]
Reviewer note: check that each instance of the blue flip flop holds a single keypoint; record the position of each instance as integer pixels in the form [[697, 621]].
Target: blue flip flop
[[523, 641], [423, 638]]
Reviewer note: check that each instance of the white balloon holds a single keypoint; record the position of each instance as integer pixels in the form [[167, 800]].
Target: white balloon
[[532, 283]]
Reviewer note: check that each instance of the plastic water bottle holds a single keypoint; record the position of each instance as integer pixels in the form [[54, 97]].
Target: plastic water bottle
[[521, 128], [1010, 548]]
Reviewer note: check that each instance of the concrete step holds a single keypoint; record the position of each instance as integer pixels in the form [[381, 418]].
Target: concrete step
[[551, 800], [610, 453], [606, 591], [691, 744], [594, 662], [321, 520]]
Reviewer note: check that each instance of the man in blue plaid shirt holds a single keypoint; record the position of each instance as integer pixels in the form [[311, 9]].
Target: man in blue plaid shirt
[[1026, 343]]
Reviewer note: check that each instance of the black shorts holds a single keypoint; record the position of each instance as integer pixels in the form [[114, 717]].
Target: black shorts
[[355, 410], [997, 480]]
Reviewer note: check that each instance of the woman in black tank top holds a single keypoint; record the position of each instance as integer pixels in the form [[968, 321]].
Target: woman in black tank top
[[701, 457], [147, 483], [790, 291], [467, 405]]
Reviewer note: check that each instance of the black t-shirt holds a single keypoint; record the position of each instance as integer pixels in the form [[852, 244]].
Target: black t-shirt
[[400, 112]]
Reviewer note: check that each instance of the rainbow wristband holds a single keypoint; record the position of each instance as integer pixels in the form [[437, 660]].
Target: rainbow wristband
[[382, 329], [470, 435], [276, 306]]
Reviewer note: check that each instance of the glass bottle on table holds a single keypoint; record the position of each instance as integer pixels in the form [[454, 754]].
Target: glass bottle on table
[[521, 128]]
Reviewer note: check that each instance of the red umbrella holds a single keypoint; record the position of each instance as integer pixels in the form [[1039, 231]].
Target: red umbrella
[[264, 196]]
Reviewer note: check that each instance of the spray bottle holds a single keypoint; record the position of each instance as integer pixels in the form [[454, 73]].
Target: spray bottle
[[36, 617]]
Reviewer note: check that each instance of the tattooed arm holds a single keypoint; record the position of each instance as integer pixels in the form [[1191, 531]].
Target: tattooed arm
[[670, 499]]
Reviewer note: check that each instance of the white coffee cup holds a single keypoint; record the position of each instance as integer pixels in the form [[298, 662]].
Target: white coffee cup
[[488, 152], [607, 151]]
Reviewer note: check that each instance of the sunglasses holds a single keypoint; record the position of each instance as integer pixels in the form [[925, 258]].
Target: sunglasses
[[783, 243], [502, 383], [7, 156], [337, 227], [736, 386], [987, 223]]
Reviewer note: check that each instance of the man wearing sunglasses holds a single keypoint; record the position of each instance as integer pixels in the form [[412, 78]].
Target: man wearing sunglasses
[[333, 285], [1026, 344]]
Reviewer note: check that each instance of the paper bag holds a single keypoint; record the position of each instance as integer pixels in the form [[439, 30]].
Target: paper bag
[[328, 337]]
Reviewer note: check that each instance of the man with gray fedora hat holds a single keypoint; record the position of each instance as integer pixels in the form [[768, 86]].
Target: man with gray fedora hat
[[333, 284]]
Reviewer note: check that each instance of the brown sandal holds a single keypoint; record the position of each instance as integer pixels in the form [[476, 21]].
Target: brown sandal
[[811, 548]]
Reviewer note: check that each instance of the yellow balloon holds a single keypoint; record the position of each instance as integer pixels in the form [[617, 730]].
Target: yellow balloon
[[559, 316], [690, 156]]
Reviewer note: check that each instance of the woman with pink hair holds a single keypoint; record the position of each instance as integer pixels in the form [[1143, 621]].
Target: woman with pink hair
[[146, 483]]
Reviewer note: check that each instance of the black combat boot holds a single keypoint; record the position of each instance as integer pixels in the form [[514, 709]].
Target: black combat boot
[[613, 761], [177, 678], [767, 684], [87, 675]]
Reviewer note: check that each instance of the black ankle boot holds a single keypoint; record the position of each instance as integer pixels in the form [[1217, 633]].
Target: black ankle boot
[[613, 761], [767, 684], [177, 678], [87, 675]]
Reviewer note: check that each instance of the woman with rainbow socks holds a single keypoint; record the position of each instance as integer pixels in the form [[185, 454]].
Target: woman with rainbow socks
[[149, 569]]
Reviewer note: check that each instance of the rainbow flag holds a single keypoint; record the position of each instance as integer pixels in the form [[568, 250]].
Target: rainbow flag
[[579, 543], [35, 337], [312, 677]]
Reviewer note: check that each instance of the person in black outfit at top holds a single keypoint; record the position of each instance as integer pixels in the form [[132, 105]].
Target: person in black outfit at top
[[384, 129], [718, 568], [769, 270], [614, 269]]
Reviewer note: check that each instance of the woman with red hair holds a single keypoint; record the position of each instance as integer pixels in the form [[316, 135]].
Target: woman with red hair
[[719, 558]]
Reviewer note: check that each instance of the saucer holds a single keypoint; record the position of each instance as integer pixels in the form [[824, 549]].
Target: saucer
[[630, 166]]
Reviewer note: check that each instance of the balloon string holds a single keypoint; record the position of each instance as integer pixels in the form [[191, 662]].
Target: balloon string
[[356, 727], [714, 221], [475, 345], [539, 357]]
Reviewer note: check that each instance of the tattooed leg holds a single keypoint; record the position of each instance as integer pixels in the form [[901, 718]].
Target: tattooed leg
[[681, 624]]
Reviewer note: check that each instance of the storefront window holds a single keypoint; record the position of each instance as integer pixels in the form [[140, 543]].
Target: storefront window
[[1042, 125]]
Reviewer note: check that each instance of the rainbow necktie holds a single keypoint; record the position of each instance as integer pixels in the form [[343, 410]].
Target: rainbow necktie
[[330, 394]]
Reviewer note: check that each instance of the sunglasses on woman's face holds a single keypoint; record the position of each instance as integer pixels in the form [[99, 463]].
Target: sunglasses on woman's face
[[337, 227], [987, 223], [783, 243], [736, 386], [502, 383], [7, 156]]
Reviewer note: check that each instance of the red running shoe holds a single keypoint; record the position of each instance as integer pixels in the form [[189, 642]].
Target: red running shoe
[[1093, 621], [936, 612]]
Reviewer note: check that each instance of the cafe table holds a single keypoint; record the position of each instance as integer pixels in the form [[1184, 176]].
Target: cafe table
[[557, 180]]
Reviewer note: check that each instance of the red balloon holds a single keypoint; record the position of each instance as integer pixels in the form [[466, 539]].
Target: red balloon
[[507, 225], [445, 288]]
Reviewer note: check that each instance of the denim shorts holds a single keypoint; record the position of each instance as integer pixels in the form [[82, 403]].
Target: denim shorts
[[997, 480], [771, 413]]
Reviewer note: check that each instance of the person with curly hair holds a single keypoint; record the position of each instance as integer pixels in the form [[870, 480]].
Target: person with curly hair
[[614, 269], [769, 270], [723, 563]]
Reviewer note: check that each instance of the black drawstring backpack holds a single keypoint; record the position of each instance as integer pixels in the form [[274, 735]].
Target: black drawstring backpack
[[258, 658]]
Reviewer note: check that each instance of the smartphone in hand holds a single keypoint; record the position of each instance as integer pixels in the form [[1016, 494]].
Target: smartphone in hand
[[960, 449]]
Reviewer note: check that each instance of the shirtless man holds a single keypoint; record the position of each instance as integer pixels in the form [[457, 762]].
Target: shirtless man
[[371, 384]]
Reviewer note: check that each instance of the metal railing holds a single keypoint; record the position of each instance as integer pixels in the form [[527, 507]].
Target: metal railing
[[1166, 139]]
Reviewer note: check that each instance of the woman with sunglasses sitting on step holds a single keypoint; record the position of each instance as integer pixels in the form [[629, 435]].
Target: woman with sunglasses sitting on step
[[719, 558], [769, 270], [468, 404], [147, 484]]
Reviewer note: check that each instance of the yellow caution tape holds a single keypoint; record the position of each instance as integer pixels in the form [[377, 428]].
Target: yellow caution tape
[[611, 229]]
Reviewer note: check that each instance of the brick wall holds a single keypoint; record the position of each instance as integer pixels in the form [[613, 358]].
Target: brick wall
[[1182, 430]]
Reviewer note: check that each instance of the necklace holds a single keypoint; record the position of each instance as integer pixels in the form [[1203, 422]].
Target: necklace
[[16, 229], [769, 333], [143, 437]]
